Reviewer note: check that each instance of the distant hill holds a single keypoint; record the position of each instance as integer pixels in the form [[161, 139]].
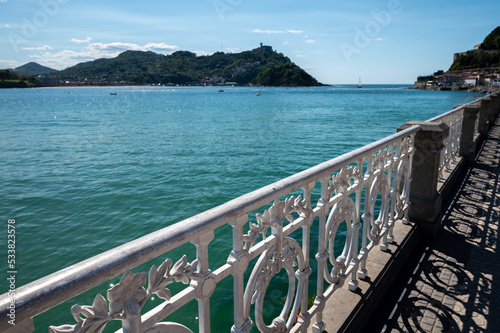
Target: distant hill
[[33, 68], [488, 54], [492, 41], [260, 66]]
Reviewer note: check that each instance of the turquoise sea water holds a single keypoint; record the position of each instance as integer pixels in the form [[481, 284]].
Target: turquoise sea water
[[83, 171]]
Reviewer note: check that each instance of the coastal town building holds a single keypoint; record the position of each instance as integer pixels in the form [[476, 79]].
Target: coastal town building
[[459, 80], [471, 81], [46, 80]]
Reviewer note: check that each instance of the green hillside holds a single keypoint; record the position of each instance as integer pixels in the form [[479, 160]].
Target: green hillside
[[183, 67], [285, 75], [12, 79], [33, 68], [492, 41], [487, 56]]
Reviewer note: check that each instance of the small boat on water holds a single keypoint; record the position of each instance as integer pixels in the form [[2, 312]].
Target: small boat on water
[[258, 94], [359, 84], [113, 93], [221, 90]]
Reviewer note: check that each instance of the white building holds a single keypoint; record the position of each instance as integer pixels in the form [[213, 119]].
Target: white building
[[470, 81]]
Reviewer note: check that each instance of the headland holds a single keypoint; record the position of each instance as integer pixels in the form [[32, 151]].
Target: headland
[[476, 70]]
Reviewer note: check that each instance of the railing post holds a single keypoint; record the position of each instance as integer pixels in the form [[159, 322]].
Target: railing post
[[207, 285], [467, 145], [492, 112], [425, 209], [239, 261], [306, 241], [484, 125], [495, 104], [321, 258]]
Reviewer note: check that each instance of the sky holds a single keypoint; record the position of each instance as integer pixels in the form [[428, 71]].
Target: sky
[[336, 41]]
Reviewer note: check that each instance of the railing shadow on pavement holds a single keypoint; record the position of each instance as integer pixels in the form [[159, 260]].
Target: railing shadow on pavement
[[455, 287]]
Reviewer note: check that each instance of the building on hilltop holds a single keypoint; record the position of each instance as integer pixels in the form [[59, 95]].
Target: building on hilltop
[[264, 48]]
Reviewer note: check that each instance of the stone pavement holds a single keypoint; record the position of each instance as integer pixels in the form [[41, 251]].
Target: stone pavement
[[456, 285]]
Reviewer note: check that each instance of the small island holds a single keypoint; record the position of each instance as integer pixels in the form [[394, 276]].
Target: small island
[[475, 70], [261, 66]]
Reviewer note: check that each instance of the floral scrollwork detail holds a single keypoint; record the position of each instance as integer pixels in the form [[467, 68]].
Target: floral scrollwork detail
[[341, 181], [381, 158], [127, 298], [274, 216], [406, 146]]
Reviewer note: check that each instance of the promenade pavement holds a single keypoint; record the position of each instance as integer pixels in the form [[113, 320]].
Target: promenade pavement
[[456, 285]]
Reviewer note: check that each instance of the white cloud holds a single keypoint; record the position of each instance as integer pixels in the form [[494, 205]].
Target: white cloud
[[202, 53], [277, 31], [268, 31], [39, 48], [160, 47], [92, 51], [378, 39], [9, 64], [66, 58], [310, 41], [81, 41], [7, 26], [114, 47], [299, 56], [3, 0], [286, 43]]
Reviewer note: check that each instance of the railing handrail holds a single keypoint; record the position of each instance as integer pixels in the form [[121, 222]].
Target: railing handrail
[[457, 109], [49, 291]]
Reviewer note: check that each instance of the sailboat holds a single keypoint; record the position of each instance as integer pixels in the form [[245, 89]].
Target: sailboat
[[359, 84]]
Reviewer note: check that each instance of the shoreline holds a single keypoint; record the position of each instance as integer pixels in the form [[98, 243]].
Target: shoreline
[[404, 86], [477, 89], [485, 89]]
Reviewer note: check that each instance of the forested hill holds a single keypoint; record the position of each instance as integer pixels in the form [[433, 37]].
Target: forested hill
[[488, 54], [32, 68], [256, 67]]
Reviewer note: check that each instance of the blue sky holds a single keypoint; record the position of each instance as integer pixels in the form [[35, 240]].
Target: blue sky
[[388, 41]]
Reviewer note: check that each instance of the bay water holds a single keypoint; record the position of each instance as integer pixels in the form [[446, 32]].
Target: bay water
[[83, 170]]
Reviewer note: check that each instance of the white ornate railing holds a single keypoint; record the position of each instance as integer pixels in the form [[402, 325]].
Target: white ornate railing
[[453, 119], [349, 187]]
